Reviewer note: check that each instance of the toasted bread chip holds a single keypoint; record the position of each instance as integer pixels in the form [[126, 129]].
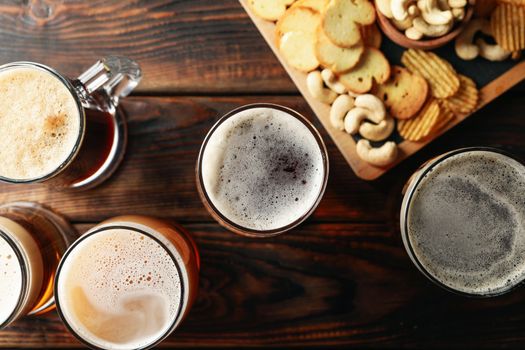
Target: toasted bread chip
[[297, 19], [440, 74], [341, 19], [422, 125], [371, 36], [298, 50], [316, 5], [372, 66], [270, 10], [508, 26], [466, 99], [403, 94], [337, 59]]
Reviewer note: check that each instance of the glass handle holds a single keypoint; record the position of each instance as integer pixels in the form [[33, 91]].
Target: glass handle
[[113, 76]]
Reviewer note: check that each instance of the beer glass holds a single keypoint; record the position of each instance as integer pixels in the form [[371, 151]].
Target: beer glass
[[99, 139], [262, 170], [32, 240], [127, 283], [463, 221]]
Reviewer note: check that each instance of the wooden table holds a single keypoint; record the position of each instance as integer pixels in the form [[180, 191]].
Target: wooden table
[[341, 278]]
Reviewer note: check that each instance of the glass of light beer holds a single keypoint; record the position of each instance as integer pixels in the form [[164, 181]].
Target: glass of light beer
[[67, 133], [262, 170], [32, 240], [127, 283], [463, 221]]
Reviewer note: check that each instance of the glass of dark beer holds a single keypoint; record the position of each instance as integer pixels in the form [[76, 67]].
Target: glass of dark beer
[[67, 133], [33, 238], [463, 221], [262, 170]]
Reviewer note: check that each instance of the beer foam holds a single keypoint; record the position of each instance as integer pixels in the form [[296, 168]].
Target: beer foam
[[262, 168], [466, 222], [39, 123], [11, 277], [119, 289]]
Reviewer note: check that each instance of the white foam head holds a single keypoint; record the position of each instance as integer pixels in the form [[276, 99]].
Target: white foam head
[[39, 123], [121, 289], [11, 277], [466, 222], [263, 168]]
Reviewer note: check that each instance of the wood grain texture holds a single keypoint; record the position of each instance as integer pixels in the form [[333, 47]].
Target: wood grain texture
[[192, 46], [322, 284], [165, 134]]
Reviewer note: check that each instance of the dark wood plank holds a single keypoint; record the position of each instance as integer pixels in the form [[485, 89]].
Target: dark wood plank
[[157, 175], [322, 284], [183, 46]]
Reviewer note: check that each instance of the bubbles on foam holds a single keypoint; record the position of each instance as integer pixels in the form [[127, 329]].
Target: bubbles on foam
[[467, 222], [262, 168], [11, 277], [120, 288], [39, 123]]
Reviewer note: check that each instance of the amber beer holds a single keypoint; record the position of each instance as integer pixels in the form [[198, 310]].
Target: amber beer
[[32, 241], [127, 283], [63, 132]]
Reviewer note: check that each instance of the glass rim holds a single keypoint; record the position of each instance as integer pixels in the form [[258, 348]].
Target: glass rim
[[405, 207], [178, 314], [230, 224], [80, 137], [25, 272]]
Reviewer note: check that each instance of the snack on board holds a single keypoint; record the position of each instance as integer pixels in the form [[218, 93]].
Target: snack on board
[[270, 10], [337, 59], [315, 85], [298, 50], [467, 49], [372, 66], [465, 100], [297, 19], [508, 26], [332, 82], [445, 117], [341, 106], [422, 125], [420, 19], [316, 5], [440, 74], [341, 20], [379, 156], [403, 94], [371, 36]]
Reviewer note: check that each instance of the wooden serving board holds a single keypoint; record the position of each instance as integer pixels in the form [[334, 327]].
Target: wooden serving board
[[492, 78]]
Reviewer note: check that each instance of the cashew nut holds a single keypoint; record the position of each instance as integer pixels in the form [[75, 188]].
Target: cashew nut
[[413, 11], [374, 105], [341, 105], [491, 52], [457, 3], [383, 6], [400, 9], [464, 46], [413, 34], [331, 81], [404, 24], [354, 118], [431, 30], [377, 132], [432, 14], [314, 82], [379, 156], [458, 14]]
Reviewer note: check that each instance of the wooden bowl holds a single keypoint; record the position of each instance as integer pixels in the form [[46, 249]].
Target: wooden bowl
[[399, 37]]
